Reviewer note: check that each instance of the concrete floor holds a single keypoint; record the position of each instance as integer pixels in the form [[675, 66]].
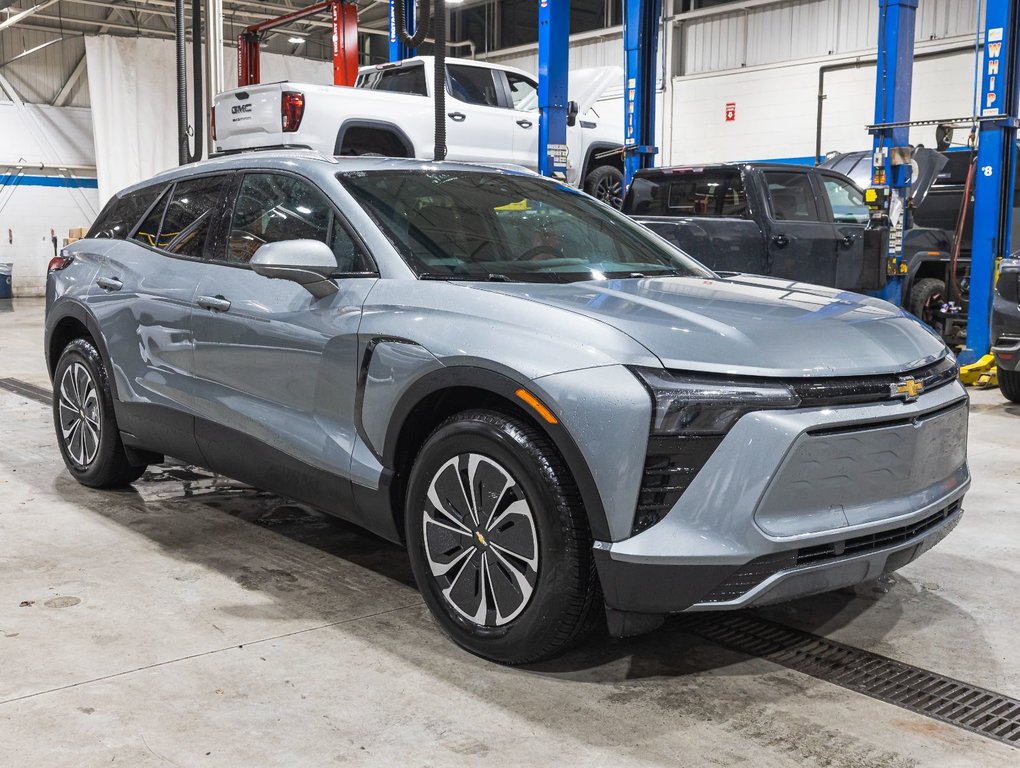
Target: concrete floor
[[191, 621]]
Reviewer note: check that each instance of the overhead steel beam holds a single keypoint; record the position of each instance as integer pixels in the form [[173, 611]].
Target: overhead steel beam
[[12, 20], [72, 80]]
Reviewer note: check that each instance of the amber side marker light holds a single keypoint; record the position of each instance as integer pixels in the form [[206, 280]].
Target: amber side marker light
[[537, 405]]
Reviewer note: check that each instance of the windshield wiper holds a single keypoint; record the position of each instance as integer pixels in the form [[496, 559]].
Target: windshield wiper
[[492, 277]]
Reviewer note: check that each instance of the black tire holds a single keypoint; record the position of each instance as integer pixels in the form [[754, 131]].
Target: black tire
[[96, 458], [560, 609], [926, 299], [605, 183], [1009, 384]]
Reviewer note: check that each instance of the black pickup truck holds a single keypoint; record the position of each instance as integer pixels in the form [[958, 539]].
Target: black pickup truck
[[799, 222]]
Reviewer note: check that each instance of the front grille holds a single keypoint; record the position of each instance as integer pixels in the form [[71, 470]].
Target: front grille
[[815, 393], [758, 570], [671, 464]]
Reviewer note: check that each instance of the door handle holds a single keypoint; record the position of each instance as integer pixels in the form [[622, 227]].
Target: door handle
[[524, 123], [780, 241], [213, 303], [457, 116], [109, 283]]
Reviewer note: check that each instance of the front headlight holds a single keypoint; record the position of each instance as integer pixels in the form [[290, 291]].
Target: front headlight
[[697, 404], [692, 415]]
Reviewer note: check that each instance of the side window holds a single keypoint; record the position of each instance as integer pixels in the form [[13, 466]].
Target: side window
[[473, 85], [148, 231], [271, 207], [791, 196], [711, 193], [190, 215], [847, 203], [523, 91], [403, 80], [121, 215]]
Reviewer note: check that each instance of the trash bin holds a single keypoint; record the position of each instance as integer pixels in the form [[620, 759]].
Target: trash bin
[[5, 281]]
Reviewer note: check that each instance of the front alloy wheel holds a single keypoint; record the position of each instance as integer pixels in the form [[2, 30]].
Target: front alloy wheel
[[480, 540], [79, 414], [499, 540]]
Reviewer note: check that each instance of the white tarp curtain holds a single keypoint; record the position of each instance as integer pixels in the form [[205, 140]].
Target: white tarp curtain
[[133, 90]]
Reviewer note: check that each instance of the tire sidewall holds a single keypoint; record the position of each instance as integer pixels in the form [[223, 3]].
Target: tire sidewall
[[533, 628], [84, 352]]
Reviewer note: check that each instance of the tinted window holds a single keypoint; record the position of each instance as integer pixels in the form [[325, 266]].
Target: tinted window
[[473, 225], [148, 231], [473, 85], [708, 193], [791, 196], [407, 79], [847, 204], [271, 207], [523, 92], [190, 214], [121, 215]]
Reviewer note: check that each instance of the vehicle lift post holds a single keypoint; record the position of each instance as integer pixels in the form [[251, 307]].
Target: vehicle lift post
[[345, 42], [892, 150], [398, 50], [641, 42], [995, 174], [553, 64]]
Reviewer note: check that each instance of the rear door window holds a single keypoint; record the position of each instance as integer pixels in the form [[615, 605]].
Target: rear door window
[[271, 207], [718, 193], [121, 215], [181, 221], [472, 85], [791, 196], [405, 79]]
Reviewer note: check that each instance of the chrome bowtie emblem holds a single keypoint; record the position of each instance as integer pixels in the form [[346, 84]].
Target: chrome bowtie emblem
[[908, 389]]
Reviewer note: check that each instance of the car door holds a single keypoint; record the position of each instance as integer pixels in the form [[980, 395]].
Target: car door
[[850, 217], [149, 283], [800, 236], [478, 126], [523, 94], [276, 368]]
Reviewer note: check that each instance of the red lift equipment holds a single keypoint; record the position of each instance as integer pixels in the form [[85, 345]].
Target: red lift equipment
[[345, 42]]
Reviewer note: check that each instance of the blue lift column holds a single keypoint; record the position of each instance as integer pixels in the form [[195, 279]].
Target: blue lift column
[[996, 169], [399, 51], [892, 151], [640, 42], [553, 63]]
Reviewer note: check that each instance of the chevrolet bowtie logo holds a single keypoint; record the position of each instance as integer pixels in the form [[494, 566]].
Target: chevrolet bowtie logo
[[908, 389]]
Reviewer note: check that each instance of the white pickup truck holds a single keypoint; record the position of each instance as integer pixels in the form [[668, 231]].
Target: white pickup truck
[[492, 117]]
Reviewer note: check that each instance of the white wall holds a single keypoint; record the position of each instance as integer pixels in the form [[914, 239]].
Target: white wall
[[29, 210]]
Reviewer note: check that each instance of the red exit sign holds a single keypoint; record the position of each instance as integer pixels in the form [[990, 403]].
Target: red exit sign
[[731, 111]]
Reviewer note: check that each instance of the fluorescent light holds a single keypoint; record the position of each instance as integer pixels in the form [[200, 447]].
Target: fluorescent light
[[295, 40]]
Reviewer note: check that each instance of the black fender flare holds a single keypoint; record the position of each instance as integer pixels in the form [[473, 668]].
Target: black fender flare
[[67, 308], [358, 122], [504, 386], [589, 155]]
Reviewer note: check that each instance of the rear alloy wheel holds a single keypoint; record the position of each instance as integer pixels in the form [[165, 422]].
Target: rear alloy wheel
[[1009, 384], [83, 416], [605, 183], [499, 540], [927, 297]]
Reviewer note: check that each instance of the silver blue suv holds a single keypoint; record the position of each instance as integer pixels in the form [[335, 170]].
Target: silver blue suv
[[553, 408]]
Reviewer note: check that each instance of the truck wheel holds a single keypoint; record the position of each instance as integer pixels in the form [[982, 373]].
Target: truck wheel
[[605, 183], [1009, 384], [499, 540], [926, 300]]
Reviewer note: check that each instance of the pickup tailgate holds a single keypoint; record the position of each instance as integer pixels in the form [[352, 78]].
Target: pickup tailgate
[[249, 117]]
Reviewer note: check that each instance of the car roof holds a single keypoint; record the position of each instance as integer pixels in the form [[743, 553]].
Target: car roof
[[293, 159], [727, 166]]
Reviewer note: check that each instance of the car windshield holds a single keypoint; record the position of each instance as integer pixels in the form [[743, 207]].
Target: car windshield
[[477, 225]]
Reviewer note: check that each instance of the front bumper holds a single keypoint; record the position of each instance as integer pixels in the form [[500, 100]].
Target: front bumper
[[798, 502], [1007, 352]]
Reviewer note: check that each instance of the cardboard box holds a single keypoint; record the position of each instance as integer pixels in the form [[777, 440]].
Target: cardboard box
[[77, 233]]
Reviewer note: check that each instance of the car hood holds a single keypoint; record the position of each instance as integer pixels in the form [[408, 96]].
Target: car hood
[[747, 325], [586, 86]]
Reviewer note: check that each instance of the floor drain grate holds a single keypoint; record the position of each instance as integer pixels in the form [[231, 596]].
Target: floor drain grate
[[918, 690], [31, 391]]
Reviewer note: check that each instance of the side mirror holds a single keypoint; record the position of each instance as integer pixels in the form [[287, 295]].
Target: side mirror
[[309, 263], [572, 109]]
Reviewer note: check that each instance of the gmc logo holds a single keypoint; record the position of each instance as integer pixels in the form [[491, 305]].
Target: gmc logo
[[239, 108]]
